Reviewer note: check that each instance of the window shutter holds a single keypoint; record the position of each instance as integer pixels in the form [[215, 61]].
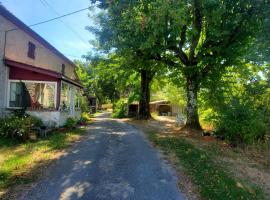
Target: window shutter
[[31, 50], [63, 69]]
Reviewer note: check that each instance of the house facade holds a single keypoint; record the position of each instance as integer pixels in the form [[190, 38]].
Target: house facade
[[35, 75]]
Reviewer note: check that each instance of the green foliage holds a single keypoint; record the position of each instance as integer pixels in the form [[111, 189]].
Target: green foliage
[[238, 103], [18, 127], [85, 118], [163, 88], [240, 123], [199, 38], [36, 122], [213, 181], [84, 104], [71, 123], [107, 78], [119, 109]]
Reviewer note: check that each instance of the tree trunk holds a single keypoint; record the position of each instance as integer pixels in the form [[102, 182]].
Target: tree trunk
[[144, 108], [192, 104]]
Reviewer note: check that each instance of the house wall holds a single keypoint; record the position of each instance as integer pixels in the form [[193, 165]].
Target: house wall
[[46, 57], [4, 71], [49, 118], [54, 118], [17, 49]]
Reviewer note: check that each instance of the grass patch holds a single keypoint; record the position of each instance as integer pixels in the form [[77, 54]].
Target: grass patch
[[212, 180], [17, 160]]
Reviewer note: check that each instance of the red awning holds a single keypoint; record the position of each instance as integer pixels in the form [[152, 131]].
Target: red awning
[[22, 71]]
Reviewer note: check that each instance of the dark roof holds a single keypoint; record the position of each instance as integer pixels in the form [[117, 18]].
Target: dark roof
[[9, 16]]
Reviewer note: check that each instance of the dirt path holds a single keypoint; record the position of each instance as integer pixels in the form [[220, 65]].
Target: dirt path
[[114, 162]]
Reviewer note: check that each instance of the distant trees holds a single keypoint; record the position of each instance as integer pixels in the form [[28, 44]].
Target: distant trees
[[106, 78]]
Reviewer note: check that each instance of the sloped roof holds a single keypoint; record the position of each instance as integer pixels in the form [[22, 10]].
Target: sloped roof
[[13, 19]]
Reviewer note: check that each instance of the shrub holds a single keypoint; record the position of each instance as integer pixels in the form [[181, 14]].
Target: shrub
[[84, 104], [119, 109], [240, 123], [18, 127], [70, 123], [36, 122], [84, 118]]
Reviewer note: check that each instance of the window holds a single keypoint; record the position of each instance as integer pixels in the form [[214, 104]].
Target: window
[[63, 69], [70, 97], [34, 95], [31, 50], [77, 97], [15, 98], [65, 96]]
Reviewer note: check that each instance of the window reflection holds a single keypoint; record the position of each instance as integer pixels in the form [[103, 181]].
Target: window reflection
[[65, 96], [41, 95]]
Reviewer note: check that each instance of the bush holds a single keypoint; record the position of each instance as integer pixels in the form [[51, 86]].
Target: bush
[[70, 123], [240, 123], [84, 119], [18, 127], [119, 109], [84, 104]]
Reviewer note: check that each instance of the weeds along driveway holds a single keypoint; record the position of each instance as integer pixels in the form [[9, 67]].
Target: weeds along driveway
[[114, 162]]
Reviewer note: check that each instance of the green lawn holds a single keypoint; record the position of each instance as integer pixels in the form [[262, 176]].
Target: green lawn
[[19, 161], [213, 180]]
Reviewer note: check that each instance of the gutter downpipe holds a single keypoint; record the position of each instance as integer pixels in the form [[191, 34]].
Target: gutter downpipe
[[5, 40]]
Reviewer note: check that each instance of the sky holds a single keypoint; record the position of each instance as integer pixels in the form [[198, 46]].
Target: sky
[[68, 35]]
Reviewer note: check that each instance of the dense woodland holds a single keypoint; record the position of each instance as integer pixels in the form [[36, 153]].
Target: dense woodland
[[210, 56]]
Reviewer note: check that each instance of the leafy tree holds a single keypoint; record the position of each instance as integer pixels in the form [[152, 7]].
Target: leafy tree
[[121, 28], [238, 103], [199, 37], [211, 36], [106, 78]]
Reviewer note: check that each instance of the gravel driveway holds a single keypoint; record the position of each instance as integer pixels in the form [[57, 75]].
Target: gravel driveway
[[113, 162]]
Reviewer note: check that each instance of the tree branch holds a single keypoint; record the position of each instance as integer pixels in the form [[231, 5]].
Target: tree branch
[[197, 23], [232, 36], [178, 50], [205, 71], [183, 37]]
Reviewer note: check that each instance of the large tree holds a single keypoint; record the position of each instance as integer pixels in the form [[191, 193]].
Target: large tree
[[212, 36], [199, 37], [119, 29]]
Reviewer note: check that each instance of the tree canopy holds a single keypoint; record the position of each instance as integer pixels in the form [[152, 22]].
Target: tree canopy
[[201, 40]]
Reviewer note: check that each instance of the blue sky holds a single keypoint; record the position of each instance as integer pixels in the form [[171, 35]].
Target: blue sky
[[58, 33]]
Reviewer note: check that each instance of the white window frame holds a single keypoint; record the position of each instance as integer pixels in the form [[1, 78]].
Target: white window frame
[[69, 95], [29, 81], [79, 103], [71, 98]]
